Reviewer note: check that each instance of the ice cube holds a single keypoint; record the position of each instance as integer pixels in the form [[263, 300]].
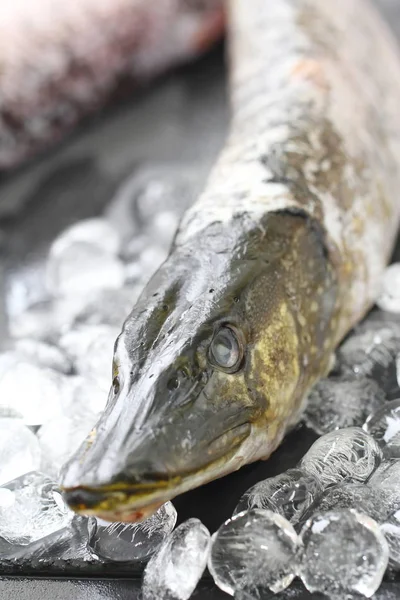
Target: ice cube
[[384, 426], [72, 543], [134, 275], [19, 450], [370, 500], [82, 267], [347, 454], [97, 232], [38, 510], [344, 552], [134, 246], [34, 353], [45, 355], [35, 394], [8, 360], [159, 189], [296, 591], [154, 197], [67, 544], [46, 320], [389, 298], [89, 399], [25, 286], [164, 226], [254, 549], [91, 349], [139, 270], [288, 494], [126, 542], [150, 259], [150, 191], [6, 498], [336, 404], [175, 570], [390, 527], [108, 307], [371, 352], [60, 438], [387, 476]]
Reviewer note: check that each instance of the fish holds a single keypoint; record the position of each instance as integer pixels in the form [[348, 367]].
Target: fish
[[272, 266], [63, 61]]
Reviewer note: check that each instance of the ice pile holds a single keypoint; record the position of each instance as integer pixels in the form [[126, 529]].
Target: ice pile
[[342, 471], [36, 524], [366, 370], [54, 379], [344, 501], [365, 376], [31, 508], [55, 373]]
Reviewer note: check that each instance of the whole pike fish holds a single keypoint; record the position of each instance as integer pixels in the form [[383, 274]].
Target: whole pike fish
[[60, 60], [275, 263]]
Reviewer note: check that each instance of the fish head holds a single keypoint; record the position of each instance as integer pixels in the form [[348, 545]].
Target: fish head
[[205, 374]]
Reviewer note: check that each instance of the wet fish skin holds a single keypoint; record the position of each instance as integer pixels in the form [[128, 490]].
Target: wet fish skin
[[60, 61], [285, 247]]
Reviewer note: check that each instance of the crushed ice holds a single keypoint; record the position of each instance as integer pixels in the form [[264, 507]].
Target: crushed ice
[[55, 372], [343, 498]]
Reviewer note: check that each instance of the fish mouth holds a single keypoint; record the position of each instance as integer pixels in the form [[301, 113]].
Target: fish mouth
[[130, 503], [118, 502]]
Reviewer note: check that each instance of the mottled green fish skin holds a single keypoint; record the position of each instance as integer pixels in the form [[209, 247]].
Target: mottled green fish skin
[[286, 247]]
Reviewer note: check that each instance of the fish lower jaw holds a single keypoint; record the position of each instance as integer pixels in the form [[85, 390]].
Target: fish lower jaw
[[126, 515], [135, 505]]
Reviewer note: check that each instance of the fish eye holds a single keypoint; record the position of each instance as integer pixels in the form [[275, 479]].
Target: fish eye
[[226, 350], [116, 385]]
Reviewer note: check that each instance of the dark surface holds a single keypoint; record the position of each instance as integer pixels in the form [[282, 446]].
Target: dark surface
[[123, 589], [183, 117], [23, 589]]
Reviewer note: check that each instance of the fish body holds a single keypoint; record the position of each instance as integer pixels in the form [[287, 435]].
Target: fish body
[[60, 61], [279, 258]]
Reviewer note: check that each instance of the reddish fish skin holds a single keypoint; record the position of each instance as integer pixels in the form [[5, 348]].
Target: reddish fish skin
[[60, 61]]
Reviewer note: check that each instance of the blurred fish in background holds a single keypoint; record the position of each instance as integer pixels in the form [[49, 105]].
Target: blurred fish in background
[[60, 61]]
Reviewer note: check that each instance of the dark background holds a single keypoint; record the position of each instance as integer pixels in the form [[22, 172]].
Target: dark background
[[183, 117]]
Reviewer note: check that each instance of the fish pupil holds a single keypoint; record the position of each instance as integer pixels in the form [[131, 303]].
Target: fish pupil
[[173, 383]]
